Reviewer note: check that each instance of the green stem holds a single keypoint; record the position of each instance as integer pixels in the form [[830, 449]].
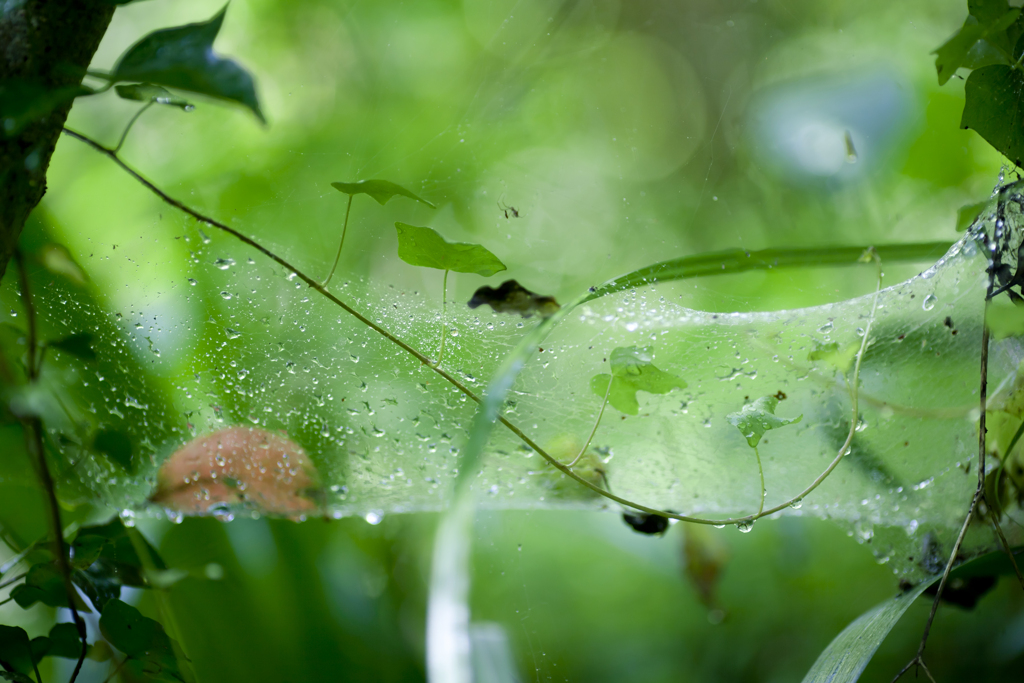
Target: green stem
[[760, 472], [607, 393], [344, 229], [16, 579], [130, 124], [444, 312]]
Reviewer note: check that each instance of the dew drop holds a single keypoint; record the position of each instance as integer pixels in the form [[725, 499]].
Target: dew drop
[[745, 527], [192, 281], [374, 518], [226, 295], [826, 328], [929, 302], [232, 333], [224, 263]]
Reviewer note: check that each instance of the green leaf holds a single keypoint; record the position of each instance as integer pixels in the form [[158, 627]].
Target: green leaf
[[425, 247], [981, 41], [633, 371], [381, 190], [993, 109], [64, 642], [59, 261], [967, 214], [78, 345], [182, 57], [115, 445], [22, 102], [833, 355], [44, 584], [846, 656], [147, 92], [756, 418], [740, 261], [143, 640], [15, 650]]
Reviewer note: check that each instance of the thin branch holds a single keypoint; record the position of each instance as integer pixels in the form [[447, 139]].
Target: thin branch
[[16, 579], [34, 445], [1006, 548]]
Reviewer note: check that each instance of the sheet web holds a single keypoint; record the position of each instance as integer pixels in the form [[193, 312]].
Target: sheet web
[[384, 431]]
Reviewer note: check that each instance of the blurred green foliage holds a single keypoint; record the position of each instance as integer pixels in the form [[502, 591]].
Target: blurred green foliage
[[623, 133]]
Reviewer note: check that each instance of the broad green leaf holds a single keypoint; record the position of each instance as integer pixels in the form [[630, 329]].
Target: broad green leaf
[[981, 41], [147, 92], [632, 371], [381, 190], [16, 677], [993, 109], [1004, 318], [15, 649], [78, 345], [116, 445], [22, 102], [756, 418], [182, 57], [425, 247], [846, 656], [143, 640]]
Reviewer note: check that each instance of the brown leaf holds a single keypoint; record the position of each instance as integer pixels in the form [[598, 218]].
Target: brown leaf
[[238, 466], [512, 297]]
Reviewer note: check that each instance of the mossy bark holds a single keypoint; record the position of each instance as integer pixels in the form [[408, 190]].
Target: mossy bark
[[49, 42]]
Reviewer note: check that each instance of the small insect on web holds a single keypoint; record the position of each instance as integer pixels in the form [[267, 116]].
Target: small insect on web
[[507, 209]]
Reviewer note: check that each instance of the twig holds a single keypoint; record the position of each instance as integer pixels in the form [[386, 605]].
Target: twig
[[1006, 548], [344, 229], [131, 123], [34, 445], [16, 579]]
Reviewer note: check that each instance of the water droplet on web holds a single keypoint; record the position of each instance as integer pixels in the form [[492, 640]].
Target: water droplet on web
[[192, 281], [374, 518], [204, 237], [797, 504], [929, 302], [226, 295], [127, 518], [826, 328], [632, 327], [224, 263], [232, 333]]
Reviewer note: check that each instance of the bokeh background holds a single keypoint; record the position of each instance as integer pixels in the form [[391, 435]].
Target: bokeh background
[[624, 133]]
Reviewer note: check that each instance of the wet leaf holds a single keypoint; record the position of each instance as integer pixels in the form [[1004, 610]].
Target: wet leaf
[[58, 260], [147, 92], [106, 559], [645, 523], [144, 641], [993, 108], [78, 345], [756, 418], [270, 474], [425, 247], [381, 190], [981, 41], [22, 102], [511, 297], [15, 650], [116, 445], [182, 57], [633, 371]]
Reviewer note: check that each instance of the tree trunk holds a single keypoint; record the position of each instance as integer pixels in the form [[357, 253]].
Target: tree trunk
[[49, 42]]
